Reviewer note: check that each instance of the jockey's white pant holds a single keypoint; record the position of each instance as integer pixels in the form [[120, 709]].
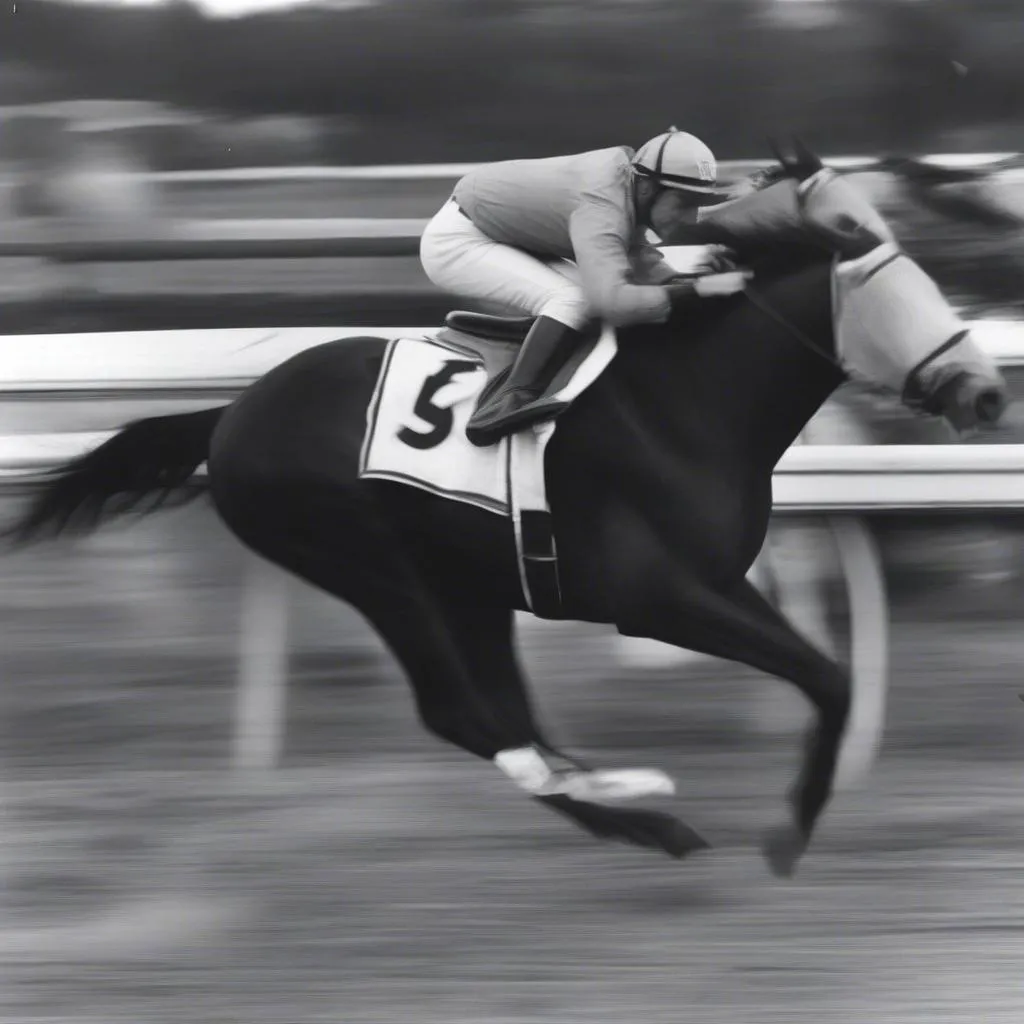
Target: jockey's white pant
[[458, 257]]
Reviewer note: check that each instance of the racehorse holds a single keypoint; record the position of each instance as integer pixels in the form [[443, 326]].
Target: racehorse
[[659, 481]]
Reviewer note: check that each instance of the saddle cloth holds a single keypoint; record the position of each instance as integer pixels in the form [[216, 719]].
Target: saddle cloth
[[416, 435]]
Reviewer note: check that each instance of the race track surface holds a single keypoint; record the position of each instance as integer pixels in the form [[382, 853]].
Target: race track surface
[[379, 876]]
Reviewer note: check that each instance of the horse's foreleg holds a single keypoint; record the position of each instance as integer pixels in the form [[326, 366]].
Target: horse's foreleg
[[740, 625], [775, 647]]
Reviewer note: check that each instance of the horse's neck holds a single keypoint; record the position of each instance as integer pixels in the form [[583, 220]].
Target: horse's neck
[[741, 384]]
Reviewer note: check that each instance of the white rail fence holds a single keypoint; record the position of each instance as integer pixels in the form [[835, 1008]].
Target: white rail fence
[[728, 169], [347, 237]]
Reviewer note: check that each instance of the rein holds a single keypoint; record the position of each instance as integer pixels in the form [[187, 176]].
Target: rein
[[805, 184], [760, 302]]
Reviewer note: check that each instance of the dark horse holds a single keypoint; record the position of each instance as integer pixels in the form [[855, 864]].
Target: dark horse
[[659, 482]]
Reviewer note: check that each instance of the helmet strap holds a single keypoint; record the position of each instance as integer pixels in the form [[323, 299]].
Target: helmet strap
[[644, 205]]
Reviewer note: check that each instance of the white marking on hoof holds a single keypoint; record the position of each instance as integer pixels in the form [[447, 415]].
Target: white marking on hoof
[[525, 767], [622, 784], [530, 772]]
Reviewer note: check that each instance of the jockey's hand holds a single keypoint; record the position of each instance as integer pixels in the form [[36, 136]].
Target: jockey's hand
[[717, 285], [684, 290], [718, 259]]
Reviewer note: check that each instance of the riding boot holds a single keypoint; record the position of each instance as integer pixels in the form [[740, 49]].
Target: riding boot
[[513, 401]]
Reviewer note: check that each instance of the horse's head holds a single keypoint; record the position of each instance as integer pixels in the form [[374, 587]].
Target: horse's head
[[893, 327]]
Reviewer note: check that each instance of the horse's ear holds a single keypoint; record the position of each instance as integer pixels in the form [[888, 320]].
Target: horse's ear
[[809, 162], [787, 163], [801, 163]]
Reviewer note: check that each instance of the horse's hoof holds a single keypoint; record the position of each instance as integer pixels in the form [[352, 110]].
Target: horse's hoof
[[783, 847], [655, 830], [686, 840], [530, 771]]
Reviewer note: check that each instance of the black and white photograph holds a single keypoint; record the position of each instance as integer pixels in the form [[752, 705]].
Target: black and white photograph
[[511, 511]]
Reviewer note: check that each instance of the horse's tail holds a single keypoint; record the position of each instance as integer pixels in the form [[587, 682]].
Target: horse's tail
[[139, 468]]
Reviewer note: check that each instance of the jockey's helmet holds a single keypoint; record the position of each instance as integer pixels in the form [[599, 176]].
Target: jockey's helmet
[[680, 160]]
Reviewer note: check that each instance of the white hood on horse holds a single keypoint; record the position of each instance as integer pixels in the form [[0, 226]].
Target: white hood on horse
[[893, 326]]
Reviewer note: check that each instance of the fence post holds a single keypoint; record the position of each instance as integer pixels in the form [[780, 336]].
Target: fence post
[[262, 667], [869, 649]]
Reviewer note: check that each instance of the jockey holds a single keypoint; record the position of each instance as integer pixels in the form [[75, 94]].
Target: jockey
[[563, 239]]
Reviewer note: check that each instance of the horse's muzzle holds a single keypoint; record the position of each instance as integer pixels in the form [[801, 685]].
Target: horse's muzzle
[[967, 399]]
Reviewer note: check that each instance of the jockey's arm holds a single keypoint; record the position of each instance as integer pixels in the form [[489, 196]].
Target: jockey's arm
[[651, 267], [599, 230]]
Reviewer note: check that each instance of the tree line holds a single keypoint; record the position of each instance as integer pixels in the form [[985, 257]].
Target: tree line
[[423, 80]]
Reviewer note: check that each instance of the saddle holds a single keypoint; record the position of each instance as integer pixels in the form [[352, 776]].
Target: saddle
[[490, 328]]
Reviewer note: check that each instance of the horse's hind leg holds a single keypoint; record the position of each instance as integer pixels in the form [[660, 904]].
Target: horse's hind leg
[[461, 664], [742, 626], [460, 661], [459, 657], [485, 637], [339, 545], [483, 716]]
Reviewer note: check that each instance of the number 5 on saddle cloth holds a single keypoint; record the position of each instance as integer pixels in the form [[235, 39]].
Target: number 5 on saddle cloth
[[416, 433]]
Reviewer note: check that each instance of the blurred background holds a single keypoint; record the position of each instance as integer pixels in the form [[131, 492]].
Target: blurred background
[[372, 874], [109, 114]]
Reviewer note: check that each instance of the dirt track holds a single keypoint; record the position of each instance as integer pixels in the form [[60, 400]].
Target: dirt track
[[380, 877]]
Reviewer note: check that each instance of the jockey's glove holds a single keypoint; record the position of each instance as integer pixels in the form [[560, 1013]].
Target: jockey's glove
[[685, 290], [718, 259]]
